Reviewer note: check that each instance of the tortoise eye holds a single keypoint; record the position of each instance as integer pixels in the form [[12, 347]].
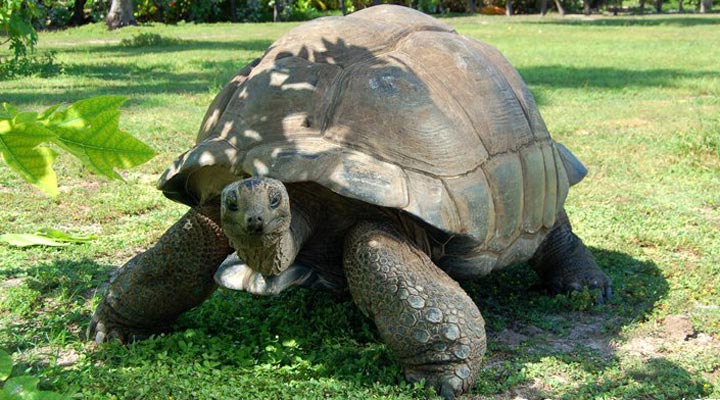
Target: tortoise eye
[[231, 202], [274, 200]]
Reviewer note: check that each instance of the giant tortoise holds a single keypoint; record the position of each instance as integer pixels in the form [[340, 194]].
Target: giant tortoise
[[382, 154]]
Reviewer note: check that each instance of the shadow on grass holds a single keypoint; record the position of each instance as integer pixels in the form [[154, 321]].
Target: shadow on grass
[[526, 328], [507, 296], [47, 304], [173, 45], [651, 379], [135, 81], [678, 20], [560, 76]]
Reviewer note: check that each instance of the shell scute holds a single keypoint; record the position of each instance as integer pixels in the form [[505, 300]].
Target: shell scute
[[505, 178], [551, 186], [472, 197], [465, 74], [533, 167], [431, 206], [390, 110], [285, 97]]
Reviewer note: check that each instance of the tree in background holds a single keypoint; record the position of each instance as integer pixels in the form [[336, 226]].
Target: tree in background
[[120, 14], [78, 17], [343, 6]]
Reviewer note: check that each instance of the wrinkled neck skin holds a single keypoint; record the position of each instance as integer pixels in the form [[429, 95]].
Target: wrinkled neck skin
[[273, 253]]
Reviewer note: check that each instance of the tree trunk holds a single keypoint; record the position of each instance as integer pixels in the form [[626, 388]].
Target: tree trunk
[[658, 6], [120, 14], [343, 6], [680, 6], [78, 17], [586, 7], [276, 11], [233, 11], [509, 8], [642, 6], [705, 6], [543, 7], [471, 7], [560, 8]]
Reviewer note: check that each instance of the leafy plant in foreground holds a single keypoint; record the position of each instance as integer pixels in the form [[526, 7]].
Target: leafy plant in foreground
[[21, 387], [88, 129], [16, 24], [16, 28]]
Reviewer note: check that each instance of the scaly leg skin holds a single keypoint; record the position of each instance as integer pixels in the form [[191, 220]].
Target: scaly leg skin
[[423, 315], [565, 264], [152, 289]]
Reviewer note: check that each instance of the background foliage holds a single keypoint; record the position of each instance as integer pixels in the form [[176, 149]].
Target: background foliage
[[58, 13], [20, 19]]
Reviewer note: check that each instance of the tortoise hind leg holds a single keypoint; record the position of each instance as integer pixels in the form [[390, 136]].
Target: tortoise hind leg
[[422, 314], [565, 264], [152, 289]]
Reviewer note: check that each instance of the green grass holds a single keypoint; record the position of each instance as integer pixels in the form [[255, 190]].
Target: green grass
[[637, 99]]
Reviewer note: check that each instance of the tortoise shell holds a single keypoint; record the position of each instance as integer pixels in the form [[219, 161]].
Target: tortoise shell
[[394, 108]]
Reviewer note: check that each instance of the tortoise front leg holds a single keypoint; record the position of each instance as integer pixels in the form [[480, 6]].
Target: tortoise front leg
[[152, 289], [565, 264], [422, 314]]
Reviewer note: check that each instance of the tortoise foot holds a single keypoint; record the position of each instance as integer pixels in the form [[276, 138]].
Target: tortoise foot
[[106, 326], [449, 380], [578, 277], [565, 264]]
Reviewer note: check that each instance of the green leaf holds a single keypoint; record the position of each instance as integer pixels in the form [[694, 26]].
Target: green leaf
[[47, 113], [61, 236], [7, 112], [45, 237], [89, 129], [6, 365], [27, 239], [20, 139], [20, 388]]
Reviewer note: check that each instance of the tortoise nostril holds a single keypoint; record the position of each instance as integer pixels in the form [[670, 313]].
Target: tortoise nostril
[[254, 223]]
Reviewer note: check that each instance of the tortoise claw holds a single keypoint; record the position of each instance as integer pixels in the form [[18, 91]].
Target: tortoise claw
[[105, 328], [604, 295]]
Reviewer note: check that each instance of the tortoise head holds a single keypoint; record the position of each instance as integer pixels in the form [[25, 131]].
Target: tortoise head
[[255, 213]]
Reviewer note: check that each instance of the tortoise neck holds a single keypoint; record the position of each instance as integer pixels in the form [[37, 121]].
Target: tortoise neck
[[301, 228]]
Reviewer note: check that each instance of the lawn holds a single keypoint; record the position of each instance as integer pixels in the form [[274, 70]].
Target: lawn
[[637, 99]]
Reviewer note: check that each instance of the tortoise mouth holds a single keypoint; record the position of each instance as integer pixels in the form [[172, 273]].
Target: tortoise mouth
[[263, 250]]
